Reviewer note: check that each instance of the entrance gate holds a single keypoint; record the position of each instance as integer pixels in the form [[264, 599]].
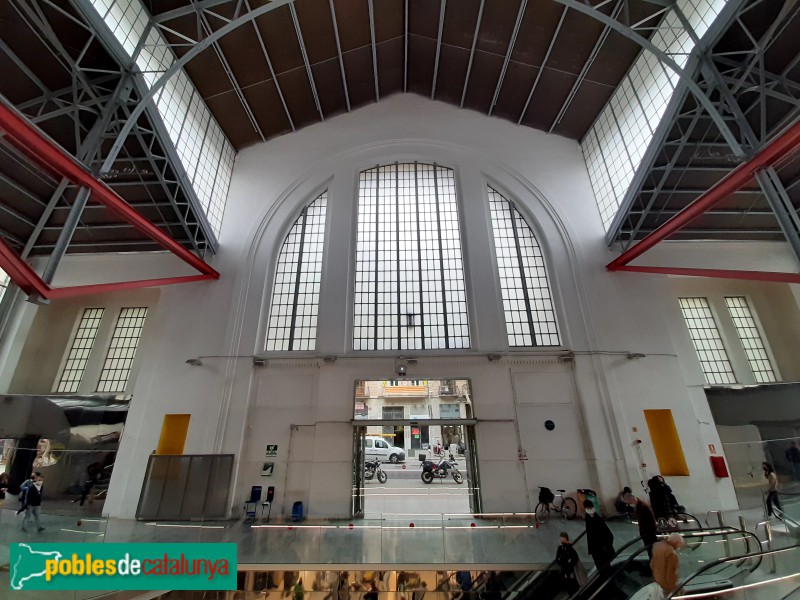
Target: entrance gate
[[462, 430]]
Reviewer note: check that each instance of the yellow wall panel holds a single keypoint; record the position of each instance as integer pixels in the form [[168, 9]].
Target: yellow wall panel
[[173, 434], [666, 443]]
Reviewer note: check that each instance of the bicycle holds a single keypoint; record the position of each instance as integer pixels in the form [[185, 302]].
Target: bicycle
[[547, 502]]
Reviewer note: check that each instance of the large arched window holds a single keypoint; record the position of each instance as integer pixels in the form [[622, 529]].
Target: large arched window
[[527, 301], [295, 297], [409, 287]]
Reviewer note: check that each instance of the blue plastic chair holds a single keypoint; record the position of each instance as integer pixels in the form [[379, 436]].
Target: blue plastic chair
[[251, 503]]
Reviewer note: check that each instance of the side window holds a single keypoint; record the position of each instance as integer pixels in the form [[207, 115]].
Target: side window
[[527, 299], [381, 444], [368, 443], [295, 295]]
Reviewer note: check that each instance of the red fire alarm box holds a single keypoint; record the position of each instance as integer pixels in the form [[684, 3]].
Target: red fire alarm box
[[719, 467]]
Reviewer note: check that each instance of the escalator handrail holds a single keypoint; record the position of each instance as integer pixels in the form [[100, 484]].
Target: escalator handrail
[[760, 555], [727, 530], [596, 574]]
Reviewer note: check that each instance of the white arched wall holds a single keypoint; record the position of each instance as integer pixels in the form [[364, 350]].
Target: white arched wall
[[239, 408]]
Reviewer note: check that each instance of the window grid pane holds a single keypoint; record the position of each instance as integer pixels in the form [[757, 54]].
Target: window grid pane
[[410, 292], [751, 340], [707, 341], [527, 301], [121, 352], [78, 356], [295, 296]]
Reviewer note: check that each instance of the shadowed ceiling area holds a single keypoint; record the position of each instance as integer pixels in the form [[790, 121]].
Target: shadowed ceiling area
[[531, 62]]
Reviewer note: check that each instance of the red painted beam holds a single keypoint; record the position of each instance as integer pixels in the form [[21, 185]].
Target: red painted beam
[[773, 276], [777, 149], [28, 139], [20, 272], [100, 288]]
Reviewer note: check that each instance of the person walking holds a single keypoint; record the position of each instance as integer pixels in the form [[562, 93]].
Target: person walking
[[648, 530], [464, 580], [793, 456], [773, 497], [33, 502], [665, 564], [567, 559], [299, 592], [625, 501], [93, 472], [598, 536], [3, 487]]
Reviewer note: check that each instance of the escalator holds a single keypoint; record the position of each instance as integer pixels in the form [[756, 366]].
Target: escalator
[[546, 584], [776, 576], [630, 566], [734, 552]]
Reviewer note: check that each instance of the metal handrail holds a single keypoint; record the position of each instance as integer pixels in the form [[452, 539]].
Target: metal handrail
[[727, 530], [722, 561], [720, 518]]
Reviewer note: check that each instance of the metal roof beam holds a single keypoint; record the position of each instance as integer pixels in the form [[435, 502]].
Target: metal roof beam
[[45, 216], [305, 59], [512, 41], [189, 9], [442, 6], [586, 65], [472, 52], [41, 27], [543, 65], [374, 49], [405, 47], [24, 68], [339, 53], [271, 69], [232, 78]]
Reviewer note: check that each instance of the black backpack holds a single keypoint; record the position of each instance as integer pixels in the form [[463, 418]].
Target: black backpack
[[546, 496]]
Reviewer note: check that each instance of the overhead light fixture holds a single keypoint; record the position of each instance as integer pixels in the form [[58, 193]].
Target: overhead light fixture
[[329, 359], [195, 362], [567, 356], [494, 357], [259, 362], [635, 355]]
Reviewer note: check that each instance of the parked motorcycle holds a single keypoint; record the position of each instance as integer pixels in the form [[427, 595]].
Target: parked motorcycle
[[372, 468], [432, 470]]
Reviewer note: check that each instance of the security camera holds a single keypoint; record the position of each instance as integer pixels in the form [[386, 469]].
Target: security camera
[[401, 369]]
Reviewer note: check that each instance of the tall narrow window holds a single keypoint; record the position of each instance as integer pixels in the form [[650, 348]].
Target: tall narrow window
[[751, 339], [527, 301], [121, 352], [409, 289], [707, 341], [295, 297], [78, 356]]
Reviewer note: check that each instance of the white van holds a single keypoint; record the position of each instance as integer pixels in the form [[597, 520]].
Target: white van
[[377, 447]]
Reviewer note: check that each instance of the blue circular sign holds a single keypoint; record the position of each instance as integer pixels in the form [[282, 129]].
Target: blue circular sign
[[549, 425]]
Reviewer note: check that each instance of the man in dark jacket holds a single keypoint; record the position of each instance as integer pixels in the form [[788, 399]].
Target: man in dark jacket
[[647, 526], [598, 537], [33, 502], [566, 559]]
